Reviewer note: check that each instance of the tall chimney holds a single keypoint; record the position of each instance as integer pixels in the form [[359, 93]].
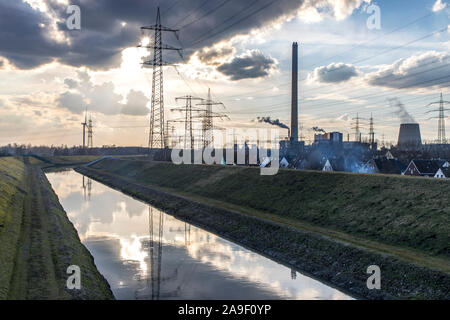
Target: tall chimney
[[294, 98]]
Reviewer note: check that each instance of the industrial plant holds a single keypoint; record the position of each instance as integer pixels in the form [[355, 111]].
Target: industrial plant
[[329, 151]]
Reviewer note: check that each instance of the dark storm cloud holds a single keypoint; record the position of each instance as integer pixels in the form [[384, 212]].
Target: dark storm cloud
[[212, 55], [335, 73], [102, 36], [250, 65], [22, 40], [426, 70]]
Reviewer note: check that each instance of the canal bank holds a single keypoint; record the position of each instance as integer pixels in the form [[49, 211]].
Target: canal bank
[[340, 263], [145, 253], [37, 241]]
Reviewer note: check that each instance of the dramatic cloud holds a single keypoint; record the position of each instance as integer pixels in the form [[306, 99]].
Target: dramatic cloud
[[136, 104], [214, 55], [71, 101], [426, 70], [33, 36], [100, 98], [439, 5], [334, 73], [250, 65]]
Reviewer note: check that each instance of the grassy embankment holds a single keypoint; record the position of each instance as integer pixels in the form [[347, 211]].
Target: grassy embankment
[[61, 161], [403, 218], [397, 211], [37, 240]]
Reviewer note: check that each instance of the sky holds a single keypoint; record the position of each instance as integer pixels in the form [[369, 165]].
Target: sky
[[353, 61]]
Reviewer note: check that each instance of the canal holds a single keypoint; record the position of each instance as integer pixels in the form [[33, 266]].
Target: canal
[[147, 254]]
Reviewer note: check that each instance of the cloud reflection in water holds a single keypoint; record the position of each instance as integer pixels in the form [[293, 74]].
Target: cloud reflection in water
[[182, 261]]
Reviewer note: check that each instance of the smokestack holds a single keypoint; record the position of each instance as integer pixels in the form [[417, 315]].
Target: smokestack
[[294, 98]]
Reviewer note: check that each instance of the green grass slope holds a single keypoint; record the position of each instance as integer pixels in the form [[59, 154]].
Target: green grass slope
[[393, 210], [12, 197], [37, 241]]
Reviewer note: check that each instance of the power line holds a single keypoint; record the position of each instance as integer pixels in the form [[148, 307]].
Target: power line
[[235, 23], [370, 57], [352, 89], [223, 3], [376, 38], [329, 104], [192, 12]]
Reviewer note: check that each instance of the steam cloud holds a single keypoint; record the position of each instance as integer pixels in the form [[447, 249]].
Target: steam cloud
[[400, 111]]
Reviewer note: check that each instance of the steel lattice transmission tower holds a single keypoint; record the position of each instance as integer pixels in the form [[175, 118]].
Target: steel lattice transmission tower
[[188, 129], [208, 122], [157, 132], [90, 133], [441, 125], [357, 128]]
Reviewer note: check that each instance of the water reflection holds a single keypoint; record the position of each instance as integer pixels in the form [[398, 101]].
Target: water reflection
[[147, 254], [87, 185]]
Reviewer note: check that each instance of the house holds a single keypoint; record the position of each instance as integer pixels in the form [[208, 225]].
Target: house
[[443, 173], [284, 163], [328, 167], [423, 168], [385, 165], [389, 155]]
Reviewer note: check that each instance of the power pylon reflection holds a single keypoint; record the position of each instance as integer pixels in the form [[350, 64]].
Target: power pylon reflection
[[154, 279]]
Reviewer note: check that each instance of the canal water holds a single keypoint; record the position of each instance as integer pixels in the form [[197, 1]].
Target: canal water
[[147, 254]]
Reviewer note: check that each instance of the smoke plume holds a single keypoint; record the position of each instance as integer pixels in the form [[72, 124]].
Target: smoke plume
[[400, 110], [317, 129], [273, 122]]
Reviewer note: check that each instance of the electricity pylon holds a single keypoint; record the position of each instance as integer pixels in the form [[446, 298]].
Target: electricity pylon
[[207, 122], [188, 129], [357, 128], [441, 125], [157, 132], [90, 133]]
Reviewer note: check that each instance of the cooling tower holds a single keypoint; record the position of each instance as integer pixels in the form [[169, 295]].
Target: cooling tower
[[409, 137]]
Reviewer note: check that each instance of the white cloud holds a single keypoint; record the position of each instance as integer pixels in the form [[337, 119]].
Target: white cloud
[[100, 98], [420, 71], [136, 104], [439, 5], [334, 73]]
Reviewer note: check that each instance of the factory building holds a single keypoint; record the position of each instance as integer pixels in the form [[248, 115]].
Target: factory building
[[329, 137]]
